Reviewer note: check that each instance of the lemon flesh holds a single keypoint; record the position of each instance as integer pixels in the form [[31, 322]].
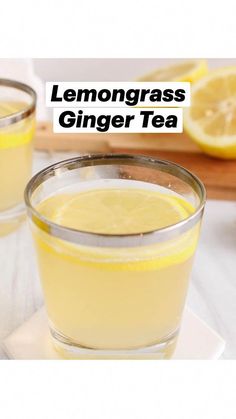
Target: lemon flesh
[[115, 211], [119, 212], [211, 119]]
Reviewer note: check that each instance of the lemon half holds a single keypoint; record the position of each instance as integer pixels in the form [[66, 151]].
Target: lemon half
[[211, 119]]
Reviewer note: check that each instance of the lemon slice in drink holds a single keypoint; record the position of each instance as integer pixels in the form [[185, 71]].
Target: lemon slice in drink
[[211, 119], [18, 133], [119, 211], [187, 71], [9, 108]]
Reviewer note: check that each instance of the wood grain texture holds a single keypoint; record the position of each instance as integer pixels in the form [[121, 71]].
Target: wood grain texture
[[219, 176]]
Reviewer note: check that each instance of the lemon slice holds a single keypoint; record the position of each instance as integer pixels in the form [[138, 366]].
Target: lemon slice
[[211, 119], [115, 211], [18, 133], [187, 71], [9, 108], [118, 211]]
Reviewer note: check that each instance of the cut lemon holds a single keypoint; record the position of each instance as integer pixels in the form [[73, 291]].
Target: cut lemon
[[118, 211], [211, 119], [115, 211], [187, 71]]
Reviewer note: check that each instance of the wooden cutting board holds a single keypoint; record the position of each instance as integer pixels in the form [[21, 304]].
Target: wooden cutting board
[[219, 176]]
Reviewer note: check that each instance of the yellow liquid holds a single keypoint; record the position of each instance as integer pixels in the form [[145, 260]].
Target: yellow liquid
[[15, 156], [115, 298]]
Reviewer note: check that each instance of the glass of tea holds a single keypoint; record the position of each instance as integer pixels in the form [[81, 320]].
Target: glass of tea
[[115, 237], [17, 125]]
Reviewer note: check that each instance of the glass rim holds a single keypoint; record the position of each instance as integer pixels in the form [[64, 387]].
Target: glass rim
[[23, 113], [114, 240]]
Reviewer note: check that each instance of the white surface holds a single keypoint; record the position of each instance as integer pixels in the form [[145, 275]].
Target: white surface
[[32, 340], [212, 293]]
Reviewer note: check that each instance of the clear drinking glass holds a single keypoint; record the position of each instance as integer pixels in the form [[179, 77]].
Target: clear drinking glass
[[118, 292], [17, 125]]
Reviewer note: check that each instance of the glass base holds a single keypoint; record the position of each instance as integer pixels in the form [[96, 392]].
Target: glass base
[[71, 350], [11, 219]]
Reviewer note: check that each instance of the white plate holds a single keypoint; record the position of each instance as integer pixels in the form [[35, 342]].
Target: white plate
[[32, 340]]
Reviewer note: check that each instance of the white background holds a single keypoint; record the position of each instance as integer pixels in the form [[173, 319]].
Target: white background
[[118, 389], [102, 28]]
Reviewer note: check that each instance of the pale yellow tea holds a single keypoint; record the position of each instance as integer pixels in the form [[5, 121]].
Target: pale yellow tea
[[115, 298], [15, 155]]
